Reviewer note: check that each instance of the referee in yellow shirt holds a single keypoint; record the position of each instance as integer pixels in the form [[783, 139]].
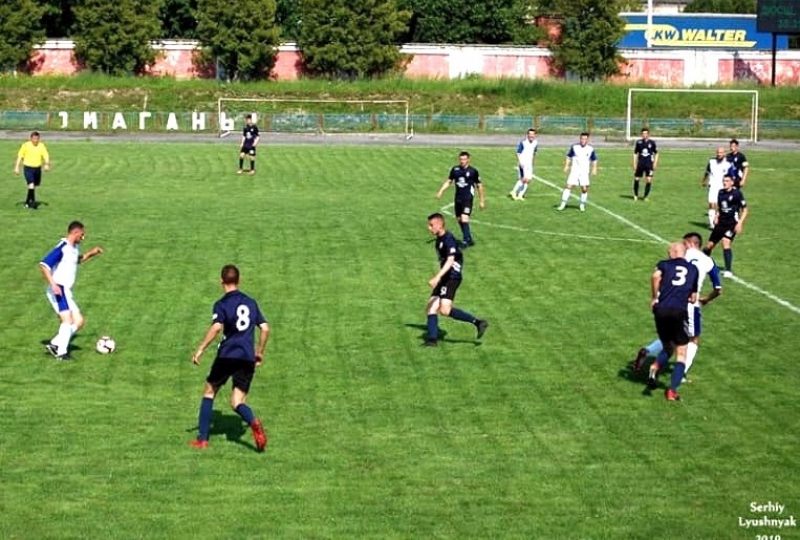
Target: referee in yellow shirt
[[33, 157]]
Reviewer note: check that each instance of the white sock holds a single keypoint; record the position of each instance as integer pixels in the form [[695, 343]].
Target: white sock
[[655, 348], [61, 341], [584, 196], [691, 352], [523, 190], [564, 196], [711, 214], [517, 186]]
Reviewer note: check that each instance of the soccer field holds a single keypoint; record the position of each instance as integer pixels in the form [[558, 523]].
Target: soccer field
[[538, 431]]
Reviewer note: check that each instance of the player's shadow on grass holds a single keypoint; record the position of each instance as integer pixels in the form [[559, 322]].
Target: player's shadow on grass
[[230, 425], [640, 377], [702, 224], [72, 345], [38, 204], [442, 336]]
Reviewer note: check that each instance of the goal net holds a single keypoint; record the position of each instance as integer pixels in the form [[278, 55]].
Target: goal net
[[692, 114], [316, 115]]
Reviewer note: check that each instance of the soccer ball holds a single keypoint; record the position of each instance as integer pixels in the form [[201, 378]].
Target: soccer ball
[[105, 345]]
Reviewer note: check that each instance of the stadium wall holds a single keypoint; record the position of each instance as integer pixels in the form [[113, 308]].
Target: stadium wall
[[678, 67]]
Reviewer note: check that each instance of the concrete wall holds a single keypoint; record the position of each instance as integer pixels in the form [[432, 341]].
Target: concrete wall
[[663, 67]]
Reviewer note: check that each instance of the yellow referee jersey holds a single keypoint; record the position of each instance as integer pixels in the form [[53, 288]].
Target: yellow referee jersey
[[33, 155]]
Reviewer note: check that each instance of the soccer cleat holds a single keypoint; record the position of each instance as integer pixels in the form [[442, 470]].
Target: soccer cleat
[[464, 244], [470, 242], [52, 349], [482, 326], [200, 445], [727, 274], [430, 343], [259, 435], [638, 362], [240, 171], [672, 395], [583, 208], [252, 172], [652, 377], [561, 207], [64, 358], [513, 195], [635, 198]]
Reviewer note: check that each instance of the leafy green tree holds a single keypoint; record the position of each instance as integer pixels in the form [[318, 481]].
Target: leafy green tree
[[343, 39], [178, 19], [465, 21], [20, 30], [115, 36], [241, 37], [58, 19], [590, 32], [721, 6], [287, 17]]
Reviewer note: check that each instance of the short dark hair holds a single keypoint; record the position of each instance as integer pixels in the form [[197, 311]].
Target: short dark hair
[[696, 236], [74, 225], [436, 215], [584, 133], [35, 134], [463, 154], [248, 116], [229, 275], [645, 129], [531, 129], [734, 141]]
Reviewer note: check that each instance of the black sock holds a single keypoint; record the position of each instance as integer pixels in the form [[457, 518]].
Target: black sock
[[647, 189], [31, 198], [241, 163], [252, 165], [727, 255], [635, 188]]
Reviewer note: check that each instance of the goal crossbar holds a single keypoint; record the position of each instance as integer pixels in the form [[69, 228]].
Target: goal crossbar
[[406, 105], [752, 135]]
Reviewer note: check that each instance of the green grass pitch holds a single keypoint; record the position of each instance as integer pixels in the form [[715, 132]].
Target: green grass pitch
[[534, 433]]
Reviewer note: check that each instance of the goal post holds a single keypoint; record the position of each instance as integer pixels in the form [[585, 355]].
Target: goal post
[[705, 113], [317, 115]]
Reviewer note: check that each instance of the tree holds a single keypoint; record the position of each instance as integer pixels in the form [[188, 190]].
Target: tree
[[465, 21], [590, 32], [58, 19], [115, 36], [721, 6], [178, 19], [19, 34], [240, 36], [287, 17], [344, 39]]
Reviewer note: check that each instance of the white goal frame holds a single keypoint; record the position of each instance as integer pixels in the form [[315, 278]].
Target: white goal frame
[[752, 136], [408, 127]]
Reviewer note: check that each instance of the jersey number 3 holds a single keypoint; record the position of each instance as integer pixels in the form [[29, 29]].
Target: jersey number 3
[[242, 318], [680, 276]]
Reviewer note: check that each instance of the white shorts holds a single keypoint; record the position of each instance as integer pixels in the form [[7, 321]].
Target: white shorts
[[578, 179], [525, 172], [62, 303], [713, 192]]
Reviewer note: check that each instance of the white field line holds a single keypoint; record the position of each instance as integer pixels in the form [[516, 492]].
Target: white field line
[[778, 300]]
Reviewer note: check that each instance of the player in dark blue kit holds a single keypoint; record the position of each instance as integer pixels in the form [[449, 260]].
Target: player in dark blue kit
[[732, 211], [739, 162], [467, 180], [645, 161], [673, 287], [250, 138], [446, 282], [236, 315]]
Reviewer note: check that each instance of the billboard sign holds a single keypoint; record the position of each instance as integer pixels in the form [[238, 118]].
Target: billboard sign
[[779, 16], [685, 31]]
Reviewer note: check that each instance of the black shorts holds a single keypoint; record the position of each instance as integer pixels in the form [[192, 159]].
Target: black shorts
[[248, 151], [722, 230], [33, 175], [671, 325], [446, 289], [642, 170], [223, 369], [464, 208]]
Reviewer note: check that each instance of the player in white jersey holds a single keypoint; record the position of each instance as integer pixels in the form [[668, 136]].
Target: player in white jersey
[[526, 158], [60, 268], [705, 267], [716, 169], [581, 161]]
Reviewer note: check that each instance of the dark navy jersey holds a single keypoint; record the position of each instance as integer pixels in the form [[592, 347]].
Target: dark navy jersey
[[447, 246], [250, 133], [738, 163], [239, 315], [465, 180], [646, 151], [729, 205], [679, 280]]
